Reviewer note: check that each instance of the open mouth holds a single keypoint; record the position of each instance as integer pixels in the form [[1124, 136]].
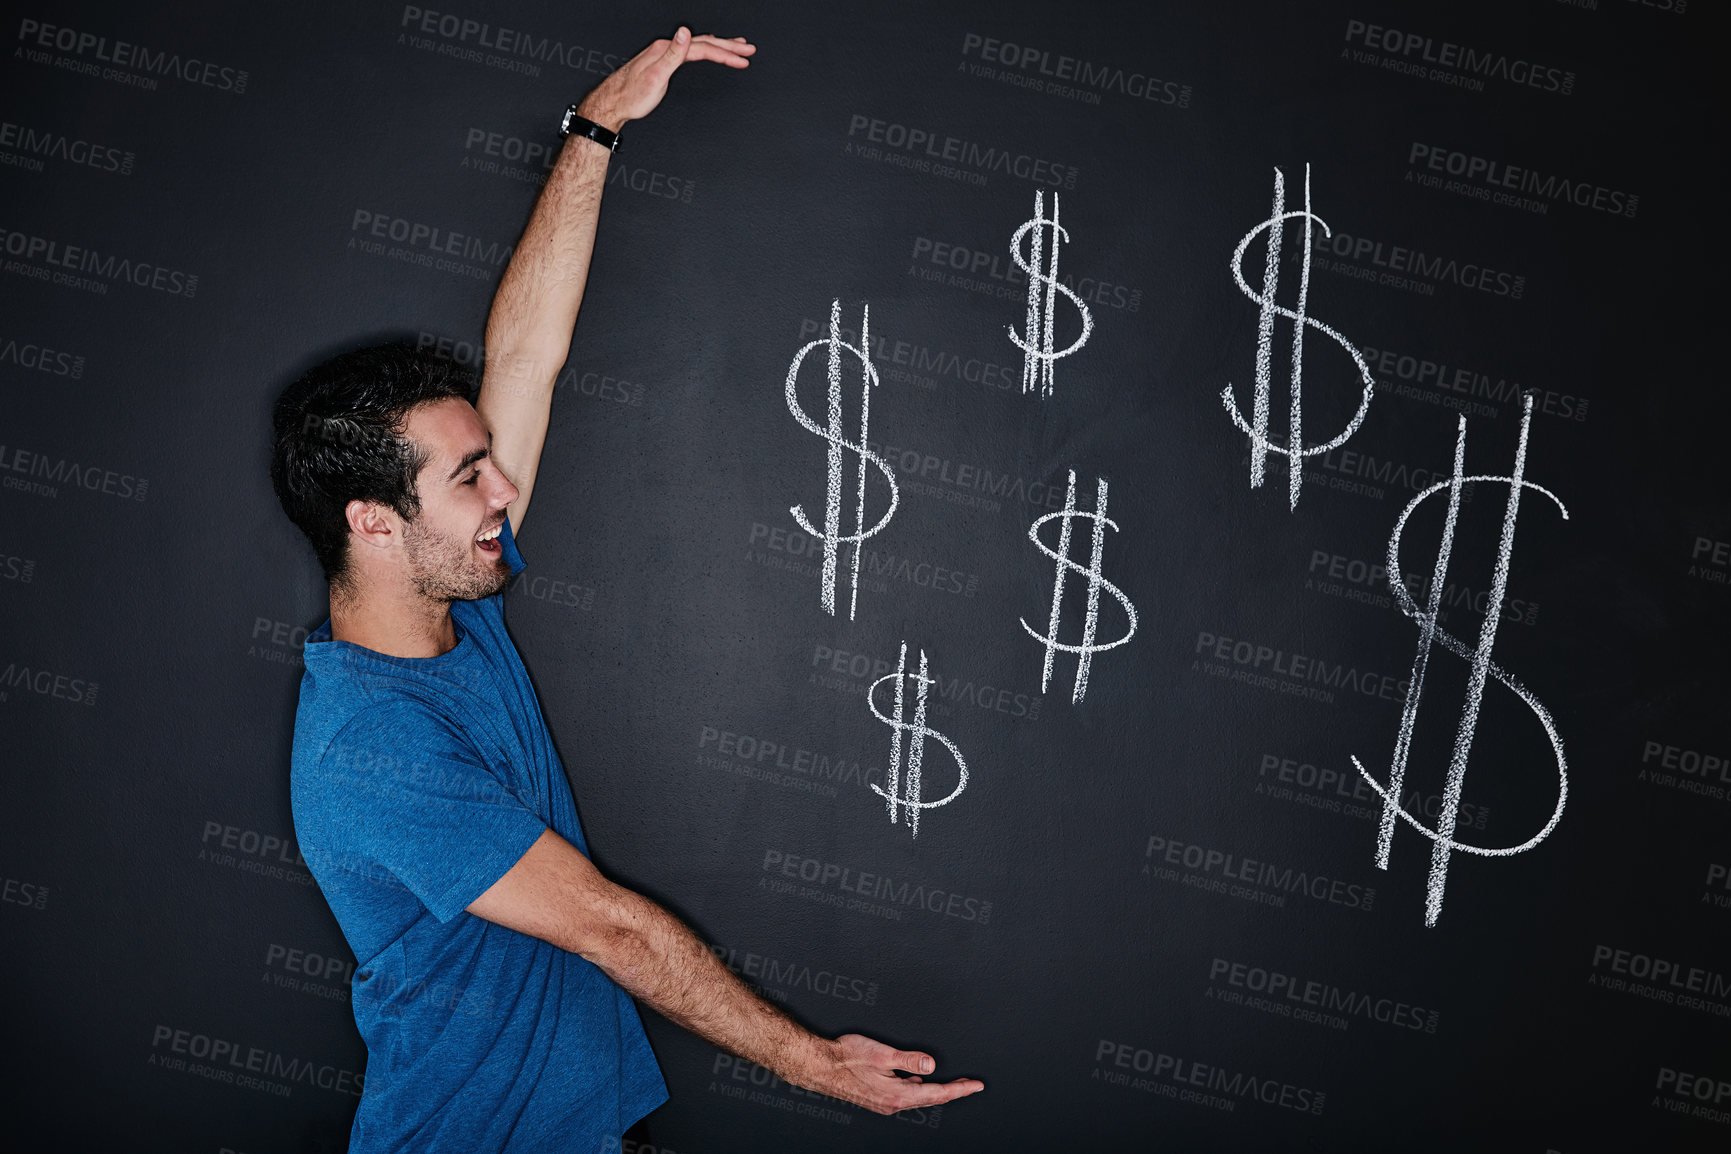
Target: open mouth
[[488, 542]]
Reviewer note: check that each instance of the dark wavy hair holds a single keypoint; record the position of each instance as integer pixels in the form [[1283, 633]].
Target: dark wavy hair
[[340, 437]]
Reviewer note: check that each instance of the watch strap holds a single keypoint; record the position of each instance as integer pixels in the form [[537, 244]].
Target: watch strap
[[574, 125]]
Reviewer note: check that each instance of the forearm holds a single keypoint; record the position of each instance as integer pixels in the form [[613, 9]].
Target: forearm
[[657, 959], [534, 311]]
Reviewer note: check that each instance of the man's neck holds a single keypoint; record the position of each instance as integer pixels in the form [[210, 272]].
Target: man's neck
[[398, 623]]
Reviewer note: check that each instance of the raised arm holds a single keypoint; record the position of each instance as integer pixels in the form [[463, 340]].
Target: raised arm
[[555, 894], [535, 309]]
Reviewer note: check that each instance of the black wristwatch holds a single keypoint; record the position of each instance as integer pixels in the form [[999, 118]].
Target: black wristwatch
[[574, 125]]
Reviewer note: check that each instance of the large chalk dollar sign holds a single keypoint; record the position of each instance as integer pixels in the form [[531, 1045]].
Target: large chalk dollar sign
[[1043, 290], [1088, 647], [902, 785], [1483, 669], [831, 535], [1295, 450]]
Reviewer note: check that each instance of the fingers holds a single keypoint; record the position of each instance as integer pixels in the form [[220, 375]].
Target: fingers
[[910, 1093], [716, 56], [732, 53], [737, 44]]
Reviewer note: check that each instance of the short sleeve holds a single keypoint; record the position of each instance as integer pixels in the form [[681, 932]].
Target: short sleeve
[[412, 795], [508, 550]]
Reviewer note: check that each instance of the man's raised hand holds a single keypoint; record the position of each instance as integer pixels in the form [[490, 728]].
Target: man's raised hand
[[637, 87], [864, 1073]]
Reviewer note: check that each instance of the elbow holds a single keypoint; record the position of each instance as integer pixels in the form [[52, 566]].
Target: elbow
[[610, 947], [522, 365], [606, 934]]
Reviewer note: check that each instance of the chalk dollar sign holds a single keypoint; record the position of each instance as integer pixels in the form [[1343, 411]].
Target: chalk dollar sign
[[1088, 647], [1043, 290], [901, 790], [1295, 450], [831, 535], [1482, 669]]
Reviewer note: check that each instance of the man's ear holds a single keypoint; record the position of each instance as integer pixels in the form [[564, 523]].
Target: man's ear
[[373, 525]]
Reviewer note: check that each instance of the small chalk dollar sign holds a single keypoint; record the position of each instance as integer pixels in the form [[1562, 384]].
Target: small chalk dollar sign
[[1043, 290], [1295, 450], [831, 535], [1088, 647], [902, 784], [1482, 669]]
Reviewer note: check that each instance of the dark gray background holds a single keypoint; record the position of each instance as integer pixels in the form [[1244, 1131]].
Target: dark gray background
[[125, 915]]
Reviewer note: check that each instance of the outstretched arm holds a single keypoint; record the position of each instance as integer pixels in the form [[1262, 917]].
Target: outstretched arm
[[555, 894], [535, 309]]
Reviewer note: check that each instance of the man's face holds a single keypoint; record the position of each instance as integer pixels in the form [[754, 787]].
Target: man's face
[[452, 547]]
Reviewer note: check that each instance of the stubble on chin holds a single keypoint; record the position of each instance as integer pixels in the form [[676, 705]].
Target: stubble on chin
[[443, 569]]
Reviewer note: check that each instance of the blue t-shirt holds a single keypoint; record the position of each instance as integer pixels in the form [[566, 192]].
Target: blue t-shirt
[[416, 783]]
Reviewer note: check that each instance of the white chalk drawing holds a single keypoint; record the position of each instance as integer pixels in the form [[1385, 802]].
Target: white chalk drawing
[[831, 535], [1038, 354], [1295, 450], [902, 785], [1482, 668], [1085, 651]]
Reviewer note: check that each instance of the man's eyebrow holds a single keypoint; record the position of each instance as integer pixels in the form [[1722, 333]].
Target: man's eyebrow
[[471, 457]]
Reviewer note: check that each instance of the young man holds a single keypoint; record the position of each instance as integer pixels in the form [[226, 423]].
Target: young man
[[496, 964]]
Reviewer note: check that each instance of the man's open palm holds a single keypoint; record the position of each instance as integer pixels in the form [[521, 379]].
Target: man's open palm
[[866, 1076]]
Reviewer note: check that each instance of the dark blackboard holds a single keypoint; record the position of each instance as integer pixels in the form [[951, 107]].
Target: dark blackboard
[[1153, 914]]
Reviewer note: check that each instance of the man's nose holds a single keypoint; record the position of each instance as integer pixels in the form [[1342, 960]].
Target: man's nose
[[503, 491]]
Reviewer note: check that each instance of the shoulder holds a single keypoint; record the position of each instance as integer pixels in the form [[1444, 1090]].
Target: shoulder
[[375, 762], [382, 735]]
